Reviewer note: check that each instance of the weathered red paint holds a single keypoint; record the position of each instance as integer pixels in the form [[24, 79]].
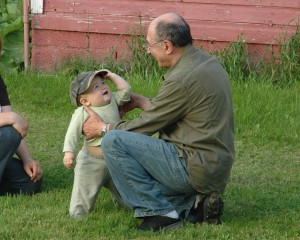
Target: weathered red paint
[[93, 27]]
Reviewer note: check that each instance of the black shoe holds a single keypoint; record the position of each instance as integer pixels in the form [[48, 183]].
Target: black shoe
[[156, 223], [209, 209]]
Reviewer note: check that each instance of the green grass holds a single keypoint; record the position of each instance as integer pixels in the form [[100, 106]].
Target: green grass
[[262, 197]]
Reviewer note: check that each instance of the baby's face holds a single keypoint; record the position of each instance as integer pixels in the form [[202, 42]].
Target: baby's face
[[98, 93]]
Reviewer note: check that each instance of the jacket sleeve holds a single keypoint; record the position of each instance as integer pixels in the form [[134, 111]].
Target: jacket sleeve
[[4, 99], [166, 108], [74, 131], [123, 96]]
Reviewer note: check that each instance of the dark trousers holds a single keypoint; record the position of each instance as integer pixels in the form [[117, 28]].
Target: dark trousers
[[13, 178]]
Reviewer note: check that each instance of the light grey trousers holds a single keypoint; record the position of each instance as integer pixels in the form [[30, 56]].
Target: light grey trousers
[[90, 175]]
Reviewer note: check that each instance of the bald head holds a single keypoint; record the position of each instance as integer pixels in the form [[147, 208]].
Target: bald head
[[172, 27], [168, 18]]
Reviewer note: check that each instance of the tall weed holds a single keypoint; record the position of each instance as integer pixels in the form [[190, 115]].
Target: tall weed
[[286, 66], [281, 69], [236, 59]]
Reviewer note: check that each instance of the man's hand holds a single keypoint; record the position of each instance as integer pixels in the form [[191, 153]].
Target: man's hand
[[93, 125], [136, 101], [33, 169], [127, 107]]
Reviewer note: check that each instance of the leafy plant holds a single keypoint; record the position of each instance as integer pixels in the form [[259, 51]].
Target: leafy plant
[[11, 31]]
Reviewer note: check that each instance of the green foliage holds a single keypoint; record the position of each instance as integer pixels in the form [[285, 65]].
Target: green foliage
[[11, 30], [286, 66], [235, 59], [281, 69], [141, 62]]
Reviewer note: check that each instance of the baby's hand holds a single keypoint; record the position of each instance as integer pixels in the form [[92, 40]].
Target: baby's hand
[[68, 160], [105, 73]]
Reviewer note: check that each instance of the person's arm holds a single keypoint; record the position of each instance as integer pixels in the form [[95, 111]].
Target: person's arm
[[136, 101], [93, 126], [71, 138], [118, 81], [32, 167], [123, 89], [8, 117]]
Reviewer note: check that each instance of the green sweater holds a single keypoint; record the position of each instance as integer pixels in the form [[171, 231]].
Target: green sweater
[[193, 110], [108, 113]]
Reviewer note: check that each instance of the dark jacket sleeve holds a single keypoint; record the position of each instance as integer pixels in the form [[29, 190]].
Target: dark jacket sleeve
[[4, 99]]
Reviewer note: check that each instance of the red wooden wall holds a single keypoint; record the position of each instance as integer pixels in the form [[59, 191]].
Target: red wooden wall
[[94, 28]]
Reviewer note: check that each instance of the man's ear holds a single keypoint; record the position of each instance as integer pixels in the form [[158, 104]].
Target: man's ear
[[168, 46]]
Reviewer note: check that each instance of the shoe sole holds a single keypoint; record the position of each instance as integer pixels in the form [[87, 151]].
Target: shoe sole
[[173, 226]]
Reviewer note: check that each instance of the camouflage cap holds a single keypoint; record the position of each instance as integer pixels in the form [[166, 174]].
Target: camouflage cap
[[81, 83]]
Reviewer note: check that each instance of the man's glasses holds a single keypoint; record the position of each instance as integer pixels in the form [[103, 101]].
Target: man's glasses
[[150, 45]]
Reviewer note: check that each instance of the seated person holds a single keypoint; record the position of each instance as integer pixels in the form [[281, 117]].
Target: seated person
[[21, 175]]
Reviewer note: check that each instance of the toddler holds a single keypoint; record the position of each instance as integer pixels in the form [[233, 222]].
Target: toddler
[[91, 172]]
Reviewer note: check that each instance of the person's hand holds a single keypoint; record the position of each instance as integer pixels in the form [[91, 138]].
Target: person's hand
[[105, 73], [93, 125], [136, 101], [68, 160], [20, 124], [33, 169]]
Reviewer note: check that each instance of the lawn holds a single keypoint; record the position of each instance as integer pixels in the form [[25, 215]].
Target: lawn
[[262, 197]]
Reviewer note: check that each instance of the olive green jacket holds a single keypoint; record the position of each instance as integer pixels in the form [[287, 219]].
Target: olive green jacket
[[193, 110]]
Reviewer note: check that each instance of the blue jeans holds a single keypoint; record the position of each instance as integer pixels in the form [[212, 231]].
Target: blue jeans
[[13, 178], [148, 174]]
